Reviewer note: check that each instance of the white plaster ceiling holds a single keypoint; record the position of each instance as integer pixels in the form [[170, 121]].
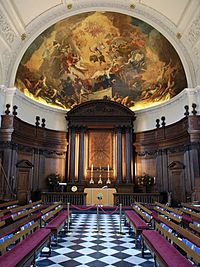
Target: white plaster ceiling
[[21, 21]]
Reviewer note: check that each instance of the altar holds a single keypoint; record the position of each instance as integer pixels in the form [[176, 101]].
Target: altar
[[106, 193]]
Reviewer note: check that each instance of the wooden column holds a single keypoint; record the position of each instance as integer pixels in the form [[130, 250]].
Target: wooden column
[[128, 155], [72, 154], [81, 155], [119, 154]]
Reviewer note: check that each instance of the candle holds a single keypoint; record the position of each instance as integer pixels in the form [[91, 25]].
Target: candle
[[92, 168], [108, 168]]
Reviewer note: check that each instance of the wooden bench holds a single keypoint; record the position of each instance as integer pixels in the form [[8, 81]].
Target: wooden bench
[[145, 213], [160, 241], [58, 223], [195, 216], [195, 228], [25, 252], [26, 207], [48, 213], [190, 206], [181, 232], [174, 215], [5, 205], [138, 224], [15, 226]]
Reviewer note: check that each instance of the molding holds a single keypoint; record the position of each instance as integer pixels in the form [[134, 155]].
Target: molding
[[6, 30], [194, 30]]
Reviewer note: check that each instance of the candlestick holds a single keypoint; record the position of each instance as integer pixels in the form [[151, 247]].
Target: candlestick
[[92, 168]]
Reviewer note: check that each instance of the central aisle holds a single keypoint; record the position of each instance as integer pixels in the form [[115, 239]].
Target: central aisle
[[83, 246]]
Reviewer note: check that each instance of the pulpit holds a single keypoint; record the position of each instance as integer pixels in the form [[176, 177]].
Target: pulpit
[[106, 193]]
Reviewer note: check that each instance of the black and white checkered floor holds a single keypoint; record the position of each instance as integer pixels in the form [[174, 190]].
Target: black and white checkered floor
[[84, 246]]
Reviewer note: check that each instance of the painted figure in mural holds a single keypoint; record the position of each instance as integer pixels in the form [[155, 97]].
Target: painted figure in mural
[[98, 54]]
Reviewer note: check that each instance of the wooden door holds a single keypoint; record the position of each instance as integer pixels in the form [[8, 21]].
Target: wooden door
[[22, 186], [178, 188]]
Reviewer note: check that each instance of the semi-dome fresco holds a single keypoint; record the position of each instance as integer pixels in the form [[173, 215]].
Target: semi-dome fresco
[[101, 55]]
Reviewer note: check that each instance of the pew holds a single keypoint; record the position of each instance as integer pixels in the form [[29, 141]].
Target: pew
[[194, 215], [26, 207], [136, 222], [56, 220], [160, 241], [174, 215], [181, 232], [143, 212], [25, 252], [5, 205], [195, 227], [191, 207]]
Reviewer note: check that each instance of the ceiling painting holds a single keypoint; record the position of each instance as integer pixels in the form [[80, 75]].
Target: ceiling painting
[[100, 55]]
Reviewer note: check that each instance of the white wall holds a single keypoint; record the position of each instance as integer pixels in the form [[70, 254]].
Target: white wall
[[173, 110], [28, 109]]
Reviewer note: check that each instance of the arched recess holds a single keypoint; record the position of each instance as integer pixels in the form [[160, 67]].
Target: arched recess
[[155, 19], [101, 146]]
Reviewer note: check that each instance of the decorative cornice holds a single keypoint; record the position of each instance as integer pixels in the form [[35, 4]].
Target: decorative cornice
[[170, 150]]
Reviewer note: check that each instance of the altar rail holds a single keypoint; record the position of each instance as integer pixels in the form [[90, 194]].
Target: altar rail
[[78, 198], [126, 199]]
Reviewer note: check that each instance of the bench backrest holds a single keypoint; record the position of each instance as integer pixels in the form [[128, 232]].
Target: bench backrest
[[193, 215], [52, 212], [143, 208], [2, 223], [190, 206], [194, 227], [167, 208], [181, 231], [179, 243], [28, 206], [12, 227], [52, 207], [18, 236], [146, 216], [9, 203]]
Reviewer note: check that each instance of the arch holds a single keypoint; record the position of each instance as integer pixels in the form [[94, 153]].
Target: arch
[[155, 19]]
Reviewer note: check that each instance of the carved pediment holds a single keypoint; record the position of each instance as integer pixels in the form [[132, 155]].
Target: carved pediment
[[176, 165], [97, 108], [24, 164]]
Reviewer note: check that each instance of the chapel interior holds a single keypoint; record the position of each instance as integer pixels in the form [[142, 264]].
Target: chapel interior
[[99, 105]]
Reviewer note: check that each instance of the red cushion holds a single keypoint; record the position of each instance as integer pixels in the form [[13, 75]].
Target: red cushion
[[12, 257], [170, 255], [58, 220], [136, 220]]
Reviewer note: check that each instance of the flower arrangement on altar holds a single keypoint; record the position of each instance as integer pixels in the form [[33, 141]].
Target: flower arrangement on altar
[[53, 180], [99, 196], [146, 180]]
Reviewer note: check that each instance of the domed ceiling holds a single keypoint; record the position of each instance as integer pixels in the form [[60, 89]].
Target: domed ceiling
[[99, 55]]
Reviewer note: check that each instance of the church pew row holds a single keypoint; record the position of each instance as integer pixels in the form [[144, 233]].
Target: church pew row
[[175, 215], [8, 204], [180, 231], [172, 214], [191, 207], [138, 219], [160, 241], [195, 227], [31, 241], [18, 212], [195, 215], [56, 220], [31, 215]]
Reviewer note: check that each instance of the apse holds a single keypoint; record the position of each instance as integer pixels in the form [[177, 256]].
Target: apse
[[101, 55]]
